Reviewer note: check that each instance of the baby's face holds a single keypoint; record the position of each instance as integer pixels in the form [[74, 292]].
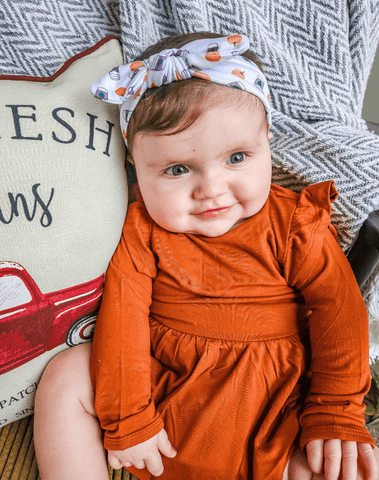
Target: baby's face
[[209, 178]]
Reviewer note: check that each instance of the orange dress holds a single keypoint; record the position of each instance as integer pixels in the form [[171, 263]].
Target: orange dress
[[239, 346]]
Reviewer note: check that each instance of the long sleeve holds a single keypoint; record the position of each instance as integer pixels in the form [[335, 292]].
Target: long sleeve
[[120, 362], [338, 324]]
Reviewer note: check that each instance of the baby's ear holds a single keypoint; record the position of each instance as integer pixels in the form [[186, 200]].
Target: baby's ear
[[269, 135], [129, 158]]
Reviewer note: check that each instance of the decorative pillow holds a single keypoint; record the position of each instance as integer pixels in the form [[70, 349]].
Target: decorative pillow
[[63, 200]]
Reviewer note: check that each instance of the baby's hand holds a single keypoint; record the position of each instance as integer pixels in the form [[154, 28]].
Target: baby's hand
[[146, 454], [327, 456]]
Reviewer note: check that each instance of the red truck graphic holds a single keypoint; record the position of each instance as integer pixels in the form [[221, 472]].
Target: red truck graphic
[[32, 322]]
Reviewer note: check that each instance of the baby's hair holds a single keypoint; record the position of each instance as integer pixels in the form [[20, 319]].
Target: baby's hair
[[179, 104]]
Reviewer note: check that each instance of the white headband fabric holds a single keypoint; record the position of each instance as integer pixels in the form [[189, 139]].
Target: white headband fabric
[[217, 60]]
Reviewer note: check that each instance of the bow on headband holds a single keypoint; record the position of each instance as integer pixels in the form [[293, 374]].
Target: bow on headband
[[218, 60]]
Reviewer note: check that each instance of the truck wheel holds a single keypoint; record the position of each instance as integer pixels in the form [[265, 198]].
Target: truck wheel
[[82, 330]]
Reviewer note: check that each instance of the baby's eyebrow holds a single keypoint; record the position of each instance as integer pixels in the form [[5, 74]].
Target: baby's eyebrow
[[151, 164], [160, 163]]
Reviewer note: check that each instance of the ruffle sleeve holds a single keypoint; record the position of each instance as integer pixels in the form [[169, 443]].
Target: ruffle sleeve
[[338, 324], [310, 221], [120, 361]]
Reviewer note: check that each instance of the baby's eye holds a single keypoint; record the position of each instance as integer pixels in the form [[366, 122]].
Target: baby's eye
[[237, 157], [176, 170]]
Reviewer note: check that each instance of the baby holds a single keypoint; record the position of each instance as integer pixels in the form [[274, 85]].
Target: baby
[[232, 339]]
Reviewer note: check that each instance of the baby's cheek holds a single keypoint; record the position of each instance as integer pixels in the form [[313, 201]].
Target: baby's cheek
[[170, 215]]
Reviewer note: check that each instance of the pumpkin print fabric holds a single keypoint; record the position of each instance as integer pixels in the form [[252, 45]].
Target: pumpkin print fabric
[[218, 60]]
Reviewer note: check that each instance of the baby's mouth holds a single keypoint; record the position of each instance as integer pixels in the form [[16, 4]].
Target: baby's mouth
[[212, 213]]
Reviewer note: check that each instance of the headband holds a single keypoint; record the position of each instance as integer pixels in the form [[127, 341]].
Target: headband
[[217, 60]]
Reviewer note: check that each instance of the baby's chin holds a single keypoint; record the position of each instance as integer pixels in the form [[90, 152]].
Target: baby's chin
[[211, 231], [204, 232]]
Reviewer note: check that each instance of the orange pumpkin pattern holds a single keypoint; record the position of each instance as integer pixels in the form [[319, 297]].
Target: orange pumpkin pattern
[[135, 65], [120, 91], [213, 56], [234, 39], [238, 73], [202, 75], [138, 93]]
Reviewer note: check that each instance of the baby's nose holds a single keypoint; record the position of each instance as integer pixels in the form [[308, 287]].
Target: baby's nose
[[210, 186]]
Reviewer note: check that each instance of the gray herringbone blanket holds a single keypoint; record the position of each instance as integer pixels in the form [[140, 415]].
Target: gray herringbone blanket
[[317, 56]]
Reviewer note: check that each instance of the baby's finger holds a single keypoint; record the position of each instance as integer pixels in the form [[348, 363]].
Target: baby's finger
[[349, 460], [315, 455], [140, 464], [367, 457], [332, 462], [114, 462], [154, 464], [164, 445]]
